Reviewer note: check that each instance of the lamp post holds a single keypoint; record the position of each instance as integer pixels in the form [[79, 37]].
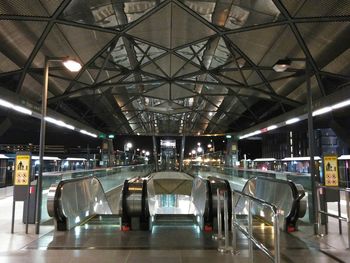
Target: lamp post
[[194, 154], [127, 148], [72, 66], [280, 66]]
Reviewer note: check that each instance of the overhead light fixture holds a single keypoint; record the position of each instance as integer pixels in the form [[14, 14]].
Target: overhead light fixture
[[272, 127], [211, 114], [59, 123], [341, 104], [293, 120], [88, 133], [72, 65], [250, 134], [322, 111], [22, 110], [6, 104], [282, 65]]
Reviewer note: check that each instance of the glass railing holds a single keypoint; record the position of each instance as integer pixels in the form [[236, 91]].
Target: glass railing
[[237, 178], [109, 177], [246, 174]]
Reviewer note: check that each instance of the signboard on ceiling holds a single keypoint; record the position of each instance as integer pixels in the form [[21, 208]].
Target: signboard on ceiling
[[167, 143], [22, 170], [331, 176]]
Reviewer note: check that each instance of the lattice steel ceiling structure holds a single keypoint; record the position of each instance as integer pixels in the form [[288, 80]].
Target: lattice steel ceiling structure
[[174, 67]]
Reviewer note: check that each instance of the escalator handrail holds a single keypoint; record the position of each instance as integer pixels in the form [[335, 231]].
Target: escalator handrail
[[57, 210], [297, 196]]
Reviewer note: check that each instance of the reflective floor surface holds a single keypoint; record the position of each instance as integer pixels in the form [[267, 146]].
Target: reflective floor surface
[[105, 243]]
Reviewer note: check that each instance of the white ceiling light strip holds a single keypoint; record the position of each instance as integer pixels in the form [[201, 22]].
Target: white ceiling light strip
[[317, 112], [59, 123], [9, 105], [17, 108], [88, 133]]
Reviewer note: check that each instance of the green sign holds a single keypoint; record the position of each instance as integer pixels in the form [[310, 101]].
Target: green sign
[[102, 136], [228, 136], [111, 136]]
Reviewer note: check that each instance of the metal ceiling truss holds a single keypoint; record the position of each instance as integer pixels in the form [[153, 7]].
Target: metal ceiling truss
[[191, 89]]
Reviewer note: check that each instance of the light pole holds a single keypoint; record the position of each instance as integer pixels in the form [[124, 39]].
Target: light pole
[[72, 66], [127, 148], [194, 153], [280, 66]]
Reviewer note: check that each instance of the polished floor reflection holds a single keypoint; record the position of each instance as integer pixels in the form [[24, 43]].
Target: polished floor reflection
[[103, 242]]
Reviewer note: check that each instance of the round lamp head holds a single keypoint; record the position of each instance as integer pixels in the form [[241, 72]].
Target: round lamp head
[[72, 65]]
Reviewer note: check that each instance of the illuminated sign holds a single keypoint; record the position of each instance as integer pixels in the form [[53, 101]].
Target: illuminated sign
[[168, 143], [102, 136], [22, 174], [331, 177]]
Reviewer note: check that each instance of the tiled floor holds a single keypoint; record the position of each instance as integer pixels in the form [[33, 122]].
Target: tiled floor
[[105, 244]]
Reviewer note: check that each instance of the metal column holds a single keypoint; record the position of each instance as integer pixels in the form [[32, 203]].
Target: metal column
[[42, 147], [182, 154], [155, 153], [310, 127]]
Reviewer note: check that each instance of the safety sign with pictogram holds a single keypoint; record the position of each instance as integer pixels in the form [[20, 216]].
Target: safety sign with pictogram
[[22, 174]]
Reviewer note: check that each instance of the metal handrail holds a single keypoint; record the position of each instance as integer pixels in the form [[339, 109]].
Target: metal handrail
[[276, 257], [62, 173], [339, 217]]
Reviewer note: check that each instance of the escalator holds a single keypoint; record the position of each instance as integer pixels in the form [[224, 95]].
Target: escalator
[[100, 221], [162, 199], [170, 220]]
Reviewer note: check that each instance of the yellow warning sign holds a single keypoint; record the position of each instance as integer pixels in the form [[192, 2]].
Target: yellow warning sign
[[22, 173], [331, 177]]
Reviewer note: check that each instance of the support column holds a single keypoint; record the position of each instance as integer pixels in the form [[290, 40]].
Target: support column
[[228, 157], [155, 153], [231, 152], [310, 127], [182, 154], [41, 147]]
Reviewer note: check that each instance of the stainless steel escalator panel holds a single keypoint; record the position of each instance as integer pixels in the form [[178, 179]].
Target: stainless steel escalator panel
[[199, 197], [283, 194], [77, 200]]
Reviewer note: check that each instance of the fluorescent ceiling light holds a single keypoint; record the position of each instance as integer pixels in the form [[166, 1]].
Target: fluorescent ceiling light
[[22, 110], [75, 159], [344, 157], [250, 134], [341, 104], [46, 158], [306, 158], [6, 104], [264, 160], [72, 65], [321, 111], [59, 123], [88, 133], [272, 127], [17, 108], [2, 156], [293, 120]]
